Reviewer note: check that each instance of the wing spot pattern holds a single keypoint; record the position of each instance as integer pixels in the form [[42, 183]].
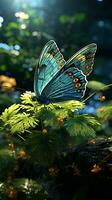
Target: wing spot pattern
[[76, 81]]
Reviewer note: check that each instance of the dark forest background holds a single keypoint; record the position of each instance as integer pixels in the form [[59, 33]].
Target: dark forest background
[[71, 23]]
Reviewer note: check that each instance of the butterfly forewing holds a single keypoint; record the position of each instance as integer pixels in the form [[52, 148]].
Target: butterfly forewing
[[50, 62], [84, 59]]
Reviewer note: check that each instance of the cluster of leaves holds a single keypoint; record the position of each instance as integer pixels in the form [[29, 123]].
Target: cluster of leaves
[[104, 113], [14, 183], [12, 188], [64, 19], [23, 188], [47, 132], [48, 129]]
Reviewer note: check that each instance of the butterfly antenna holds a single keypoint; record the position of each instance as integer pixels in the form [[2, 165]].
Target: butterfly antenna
[[91, 95]]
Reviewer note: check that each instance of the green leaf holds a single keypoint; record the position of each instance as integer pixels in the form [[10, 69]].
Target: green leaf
[[65, 109], [81, 125], [3, 67], [48, 117], [97, 86], [21, 123], [27, 97], [80, 17], [64, 19], [12, 25], [43, 147], [9, 112], [70, 105]]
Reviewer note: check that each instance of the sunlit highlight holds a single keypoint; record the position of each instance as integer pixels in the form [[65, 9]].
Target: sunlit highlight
[[1, 21], [23, 26], [15, 52], [22, 15]]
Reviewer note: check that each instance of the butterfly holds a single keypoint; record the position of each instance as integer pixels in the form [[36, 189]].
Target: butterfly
[[56, 80]]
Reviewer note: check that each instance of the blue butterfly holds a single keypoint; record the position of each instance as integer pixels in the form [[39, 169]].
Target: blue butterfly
[[57, 80]]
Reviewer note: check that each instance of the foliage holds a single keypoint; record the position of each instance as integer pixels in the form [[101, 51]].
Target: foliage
[[44, 146], [20, 188], [20, 45], [7, 161], [80, 17], [12, 185], [48, 128], [96, 85], [17, 122], [33, 188], [104, 113], [82, 125]]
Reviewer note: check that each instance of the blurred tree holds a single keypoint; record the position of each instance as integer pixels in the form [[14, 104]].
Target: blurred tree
[[20, 45]]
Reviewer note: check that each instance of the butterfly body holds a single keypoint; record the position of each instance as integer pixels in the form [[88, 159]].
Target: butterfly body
[[57, 80]]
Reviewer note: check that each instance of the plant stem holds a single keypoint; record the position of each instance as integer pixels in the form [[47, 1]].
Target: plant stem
[[91, 95]]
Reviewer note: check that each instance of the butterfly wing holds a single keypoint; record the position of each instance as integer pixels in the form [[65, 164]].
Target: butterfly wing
[[50, 62], [84, 59], [69, 83]]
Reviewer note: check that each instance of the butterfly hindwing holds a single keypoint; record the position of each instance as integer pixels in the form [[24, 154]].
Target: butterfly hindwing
[[50, 62], [84, 59], [69, 83]]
